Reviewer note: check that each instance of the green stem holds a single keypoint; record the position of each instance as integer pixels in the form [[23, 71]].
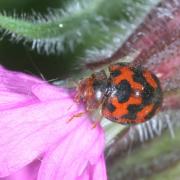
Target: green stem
[[94, 24]]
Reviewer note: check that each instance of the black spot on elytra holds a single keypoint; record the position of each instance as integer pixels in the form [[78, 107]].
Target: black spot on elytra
[[123, 91], [132, 111], [148, 91], [115, 73], [149, 96], [157, 103], [153, 111], [129, 116], [134, 108], [138, 76], [110, 107]]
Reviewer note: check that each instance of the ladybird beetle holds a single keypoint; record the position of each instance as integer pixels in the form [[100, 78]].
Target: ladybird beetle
[[128, 95]]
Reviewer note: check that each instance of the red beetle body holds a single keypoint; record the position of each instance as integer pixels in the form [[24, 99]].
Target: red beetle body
[[130, 95]]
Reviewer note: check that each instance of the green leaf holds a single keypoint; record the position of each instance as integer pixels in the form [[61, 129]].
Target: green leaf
[[80, 26]]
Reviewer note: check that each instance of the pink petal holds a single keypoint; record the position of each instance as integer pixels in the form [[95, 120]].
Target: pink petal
[[17, 82], [100, 170], [28, 131], [32, 120], [10, 100], [27, 173], [73, 155], [46, 92], [96, 172]]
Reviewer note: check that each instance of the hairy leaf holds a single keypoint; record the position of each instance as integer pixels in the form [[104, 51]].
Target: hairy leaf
[[80, 27]]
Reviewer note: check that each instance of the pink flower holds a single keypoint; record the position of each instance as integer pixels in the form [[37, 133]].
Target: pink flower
[[41, 121], [29, 172]]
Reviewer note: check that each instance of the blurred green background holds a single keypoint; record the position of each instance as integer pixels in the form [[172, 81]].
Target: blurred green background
[[116, 18], [19, 57]]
